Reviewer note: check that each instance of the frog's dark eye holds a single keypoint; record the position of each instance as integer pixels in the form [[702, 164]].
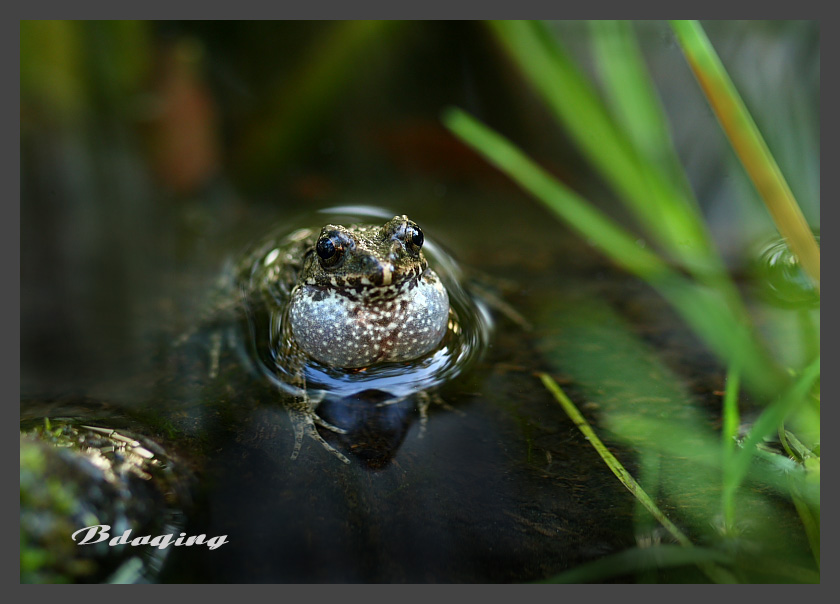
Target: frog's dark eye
[[413, 238], [330, 249]]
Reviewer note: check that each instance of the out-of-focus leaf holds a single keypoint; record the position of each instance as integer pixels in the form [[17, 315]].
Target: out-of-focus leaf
[[714, 314], [748, 144], [668, 216], [633, 99], [303, 101], [639, 560]]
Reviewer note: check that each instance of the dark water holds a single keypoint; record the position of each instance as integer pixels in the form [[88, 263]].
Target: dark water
[[119, 257], [502, 487]]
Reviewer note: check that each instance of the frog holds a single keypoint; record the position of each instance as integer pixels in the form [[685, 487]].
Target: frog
[[366, 294], [342, 298]]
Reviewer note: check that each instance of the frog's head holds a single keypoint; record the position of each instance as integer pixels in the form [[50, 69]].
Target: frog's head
[[366, 259]]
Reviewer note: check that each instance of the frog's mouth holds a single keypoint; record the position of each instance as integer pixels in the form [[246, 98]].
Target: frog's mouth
[[375, 286]]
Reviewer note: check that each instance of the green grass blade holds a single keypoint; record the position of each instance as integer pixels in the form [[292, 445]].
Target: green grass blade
[[731, 421], [809, 514], [632, 98], [623, 475], [587, 220], [772, 417], [713, 314], [714, 572], [639, 560], [748, 143], [662, 208]]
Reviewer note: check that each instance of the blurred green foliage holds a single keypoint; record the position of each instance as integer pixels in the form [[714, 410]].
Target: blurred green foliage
[[70, 69], [725, 497]]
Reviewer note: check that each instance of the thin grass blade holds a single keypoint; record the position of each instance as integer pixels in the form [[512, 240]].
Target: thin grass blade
[[639, 560], [772, 417], [731, 421], [632, 98], [668, 217], [712, 313], [623, 475], [748, 143], [713, 571]]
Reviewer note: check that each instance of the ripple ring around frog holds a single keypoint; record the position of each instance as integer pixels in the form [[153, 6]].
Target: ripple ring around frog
[[336, 310]]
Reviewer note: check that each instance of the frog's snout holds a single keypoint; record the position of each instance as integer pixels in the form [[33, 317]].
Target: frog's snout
[[379, 272]]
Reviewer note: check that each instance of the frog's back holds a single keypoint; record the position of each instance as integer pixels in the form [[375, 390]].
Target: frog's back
[[273, 265]]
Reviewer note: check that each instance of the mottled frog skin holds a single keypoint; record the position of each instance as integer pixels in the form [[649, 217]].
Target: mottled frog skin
[[346, 297]]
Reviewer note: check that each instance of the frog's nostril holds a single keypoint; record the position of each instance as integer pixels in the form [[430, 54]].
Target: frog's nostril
[[394, 253]]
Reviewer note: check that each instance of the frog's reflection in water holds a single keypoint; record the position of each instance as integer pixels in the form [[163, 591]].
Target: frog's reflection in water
[[375, 424]]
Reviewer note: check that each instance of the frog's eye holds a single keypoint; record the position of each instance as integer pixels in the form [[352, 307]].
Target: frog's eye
[[330, 249], [413, 238]]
